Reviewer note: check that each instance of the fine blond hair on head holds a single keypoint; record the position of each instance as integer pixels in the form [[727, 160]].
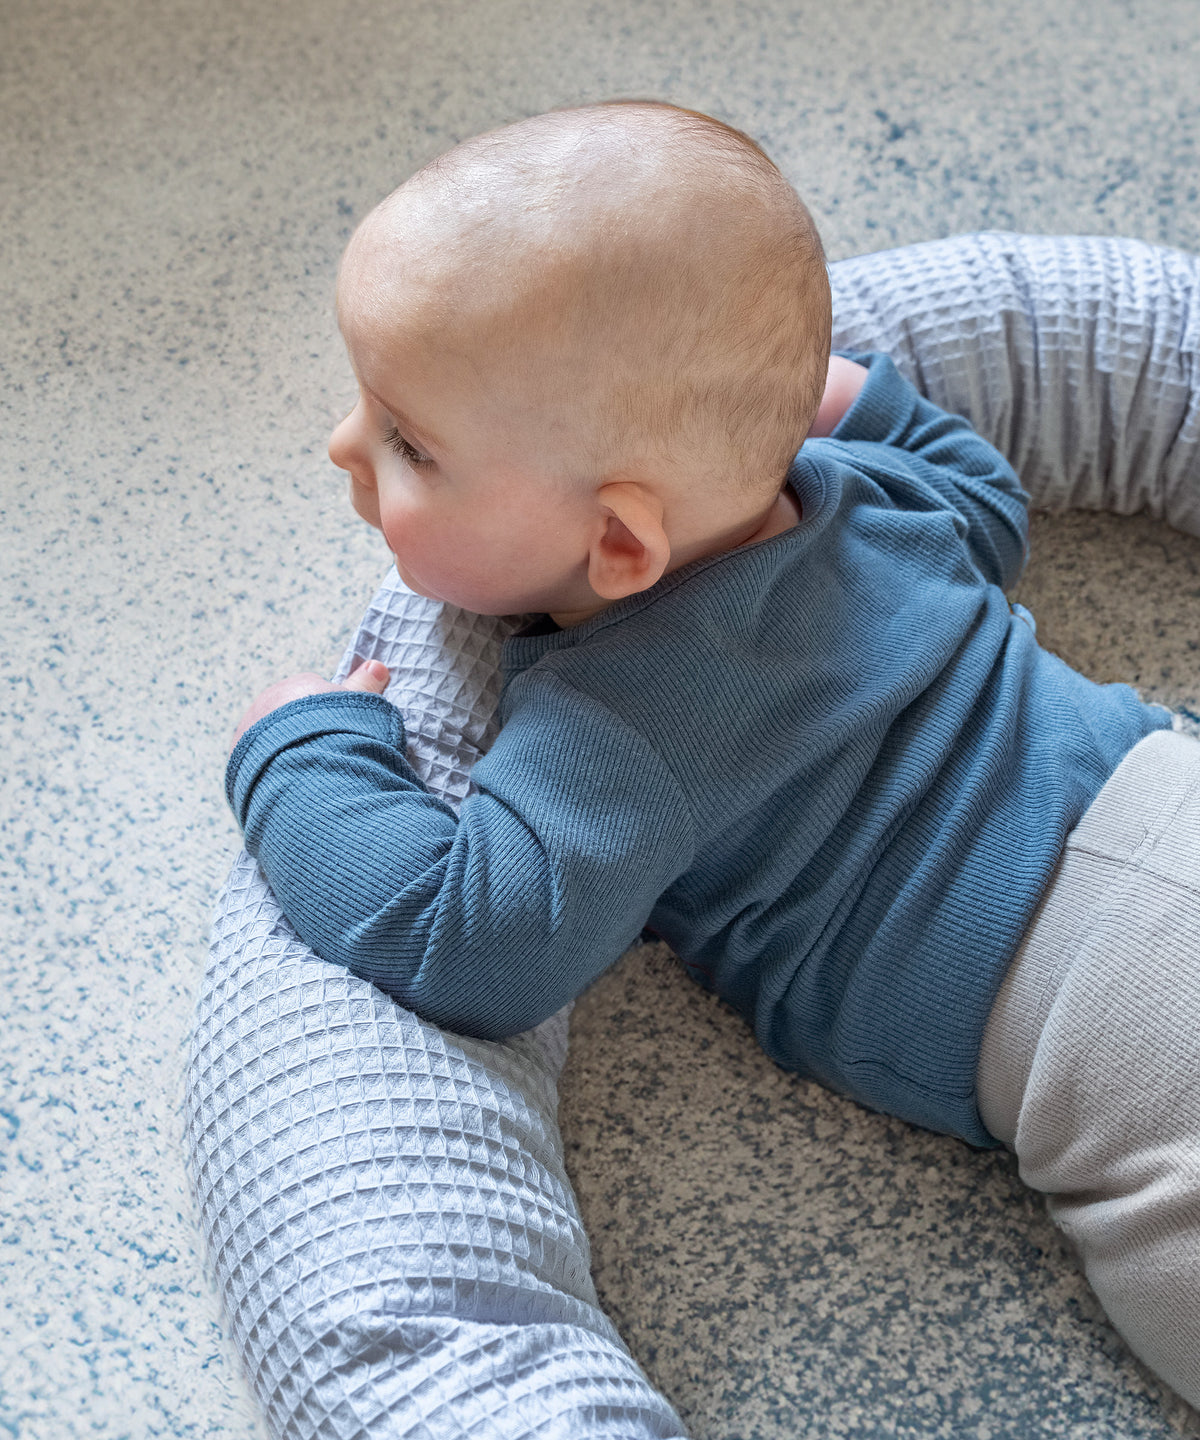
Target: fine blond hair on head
[[648, 264]]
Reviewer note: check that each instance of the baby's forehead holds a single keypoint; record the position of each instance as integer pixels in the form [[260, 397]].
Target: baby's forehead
[[400, 320], [387, 289], [420, 268]]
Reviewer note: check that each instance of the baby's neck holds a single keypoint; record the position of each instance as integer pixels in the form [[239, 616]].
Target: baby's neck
[[782, 516]]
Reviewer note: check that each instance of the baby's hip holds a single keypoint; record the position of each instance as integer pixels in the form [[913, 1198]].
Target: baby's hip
[[1121, 915]]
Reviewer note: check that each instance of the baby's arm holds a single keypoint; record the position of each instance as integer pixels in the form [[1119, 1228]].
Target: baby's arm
[[843, 382], [945, 456], [485, 923]]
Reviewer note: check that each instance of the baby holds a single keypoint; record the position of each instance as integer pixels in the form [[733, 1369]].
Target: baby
[[774, 706]]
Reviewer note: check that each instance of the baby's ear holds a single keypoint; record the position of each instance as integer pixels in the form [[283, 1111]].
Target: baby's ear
[[630, 551]]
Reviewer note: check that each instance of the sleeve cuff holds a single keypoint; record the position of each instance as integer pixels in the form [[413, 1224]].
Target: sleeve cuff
[[338, 712], [884, 395]]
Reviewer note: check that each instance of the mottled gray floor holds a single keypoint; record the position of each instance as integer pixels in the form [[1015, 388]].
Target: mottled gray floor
[[176, 182]]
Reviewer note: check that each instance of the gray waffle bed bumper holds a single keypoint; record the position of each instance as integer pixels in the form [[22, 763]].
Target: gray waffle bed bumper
[[385, 1204]]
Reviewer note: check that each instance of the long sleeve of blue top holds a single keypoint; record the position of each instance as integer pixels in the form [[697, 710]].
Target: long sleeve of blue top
[[831, 769], [487, 923]]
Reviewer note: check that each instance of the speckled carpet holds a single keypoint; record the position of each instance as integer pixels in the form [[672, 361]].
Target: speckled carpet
[[176, 184]]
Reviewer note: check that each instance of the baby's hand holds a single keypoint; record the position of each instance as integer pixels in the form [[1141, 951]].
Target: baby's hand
[[371, 677]]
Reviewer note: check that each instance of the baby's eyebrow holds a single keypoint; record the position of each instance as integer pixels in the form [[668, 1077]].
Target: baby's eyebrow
[[417, 432]]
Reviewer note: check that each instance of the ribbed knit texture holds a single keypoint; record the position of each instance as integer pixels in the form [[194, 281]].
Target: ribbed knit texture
[[833, 770]]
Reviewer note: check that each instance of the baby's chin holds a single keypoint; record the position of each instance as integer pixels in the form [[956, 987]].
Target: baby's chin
[[418, 587], [474, 604]]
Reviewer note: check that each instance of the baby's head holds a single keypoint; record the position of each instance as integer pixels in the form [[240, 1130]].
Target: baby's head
[[588, 346]]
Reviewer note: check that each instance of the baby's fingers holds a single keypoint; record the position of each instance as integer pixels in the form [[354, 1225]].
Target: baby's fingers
[[371, 676]]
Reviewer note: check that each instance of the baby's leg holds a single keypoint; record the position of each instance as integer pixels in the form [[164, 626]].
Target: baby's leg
[[1090, 1067]]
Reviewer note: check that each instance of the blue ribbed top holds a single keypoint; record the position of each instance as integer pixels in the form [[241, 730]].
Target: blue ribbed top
[[833, 770]]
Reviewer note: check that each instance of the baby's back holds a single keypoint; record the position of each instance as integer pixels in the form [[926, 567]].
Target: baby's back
[[876, 765]]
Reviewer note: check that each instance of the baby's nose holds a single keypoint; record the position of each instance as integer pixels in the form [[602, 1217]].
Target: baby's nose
[[345, 442], [337, 447]]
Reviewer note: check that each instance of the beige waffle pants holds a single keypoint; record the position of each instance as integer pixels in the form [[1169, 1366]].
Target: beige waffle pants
[[1090, 1065]]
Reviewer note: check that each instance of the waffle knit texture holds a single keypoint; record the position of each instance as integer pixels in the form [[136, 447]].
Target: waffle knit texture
[[386, 1205], [832, 770]]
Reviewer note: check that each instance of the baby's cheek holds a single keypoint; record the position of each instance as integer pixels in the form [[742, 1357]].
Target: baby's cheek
[[365, 499]]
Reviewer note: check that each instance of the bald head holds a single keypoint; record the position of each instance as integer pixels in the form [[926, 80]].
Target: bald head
[[644, 270]]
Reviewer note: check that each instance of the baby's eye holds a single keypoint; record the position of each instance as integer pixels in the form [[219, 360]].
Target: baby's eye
[[396, 442]]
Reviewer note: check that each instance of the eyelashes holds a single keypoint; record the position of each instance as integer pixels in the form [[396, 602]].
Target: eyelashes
[[396, 442]]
